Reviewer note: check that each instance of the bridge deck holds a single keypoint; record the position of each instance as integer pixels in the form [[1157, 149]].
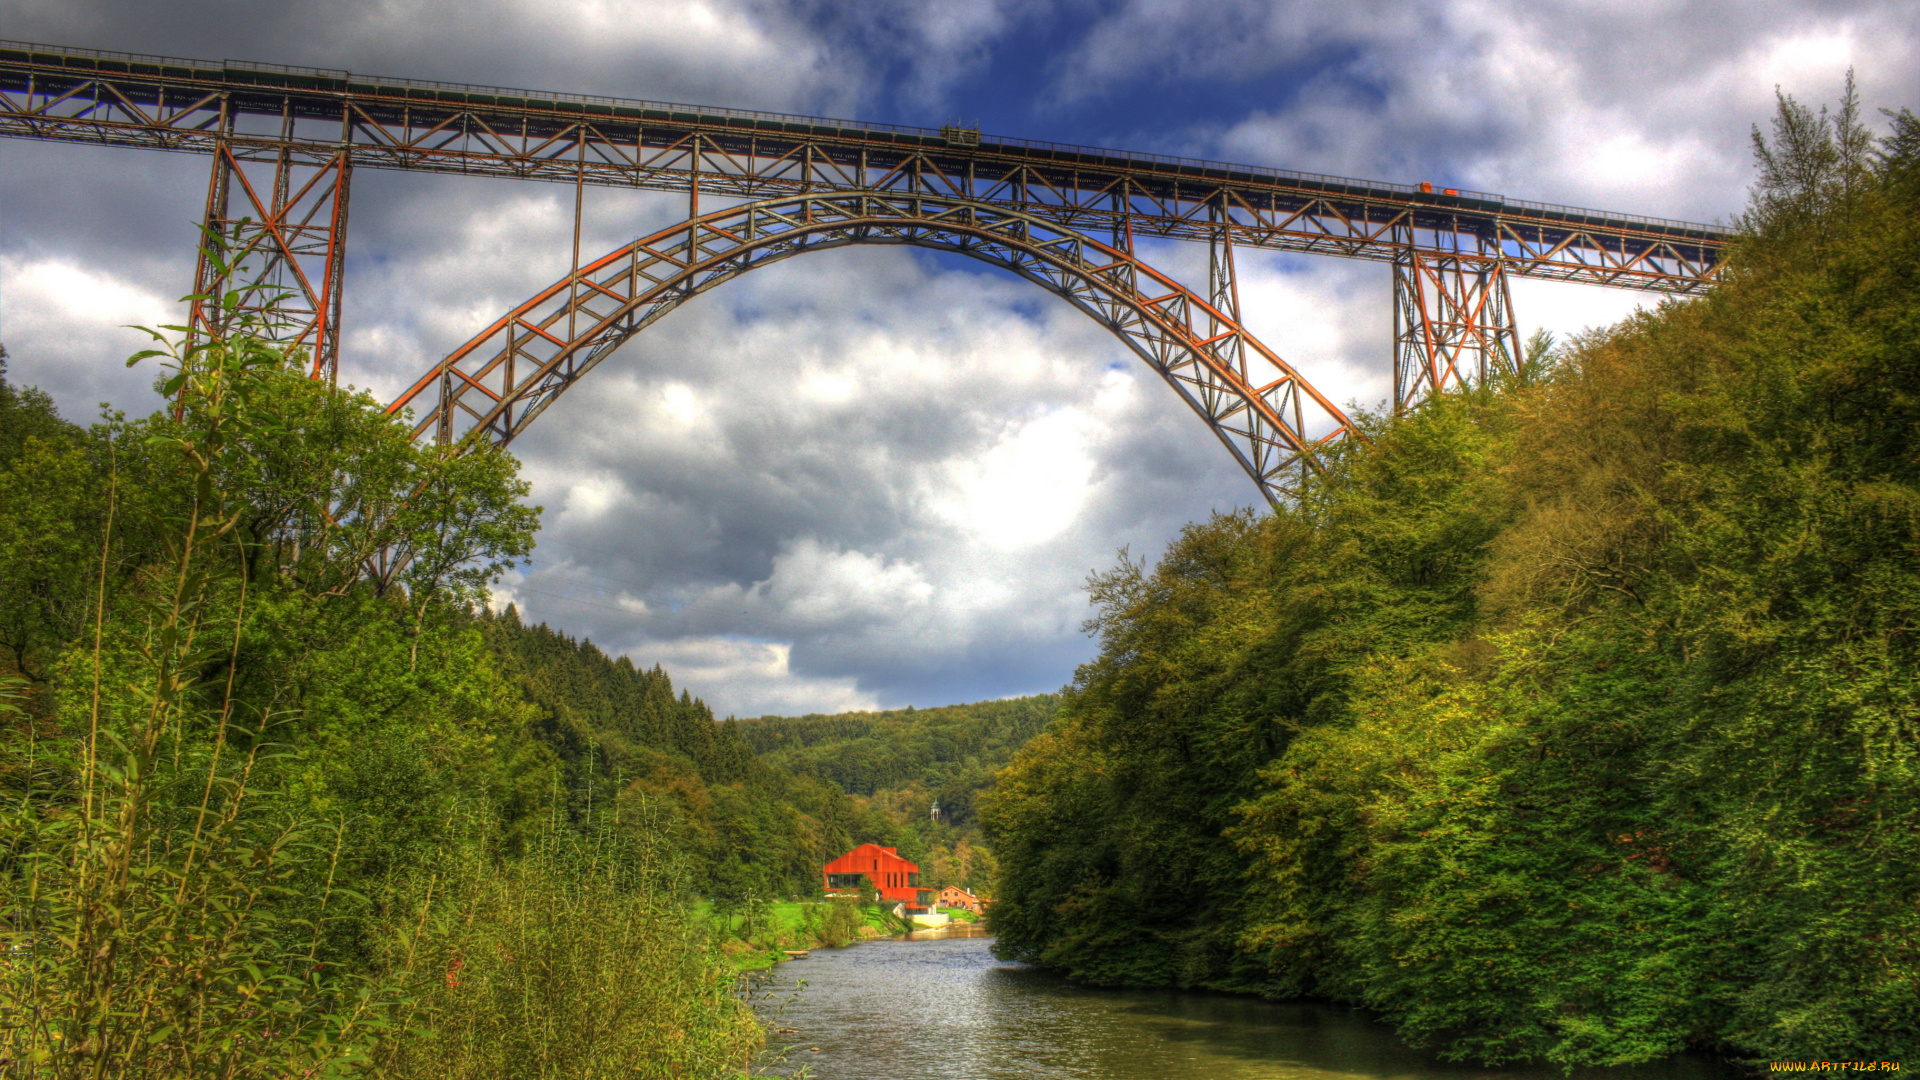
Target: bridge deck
[[262, 111]]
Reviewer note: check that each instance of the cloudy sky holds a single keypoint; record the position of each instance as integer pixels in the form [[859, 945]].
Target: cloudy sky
[[873, 478]]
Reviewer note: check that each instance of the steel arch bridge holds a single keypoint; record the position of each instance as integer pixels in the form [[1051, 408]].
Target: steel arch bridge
[[497, 383], [285, 141]]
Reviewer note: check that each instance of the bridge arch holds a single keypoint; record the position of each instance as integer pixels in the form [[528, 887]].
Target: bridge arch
[[497, 383]]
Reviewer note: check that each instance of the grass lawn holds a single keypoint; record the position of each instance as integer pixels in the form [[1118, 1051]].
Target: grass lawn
[[777, 926]]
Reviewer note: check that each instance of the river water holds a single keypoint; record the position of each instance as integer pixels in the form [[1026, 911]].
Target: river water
[[942, 1008]]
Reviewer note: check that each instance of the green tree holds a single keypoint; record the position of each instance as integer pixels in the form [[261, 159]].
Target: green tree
[[263, 784], [1571, 718]]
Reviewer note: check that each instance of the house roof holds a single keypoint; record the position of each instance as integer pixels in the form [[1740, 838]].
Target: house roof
[[869, 857]]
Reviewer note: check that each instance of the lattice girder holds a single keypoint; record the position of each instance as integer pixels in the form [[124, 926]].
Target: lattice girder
[[492, 387], [276, 233], [185, 105], [1453, 326]]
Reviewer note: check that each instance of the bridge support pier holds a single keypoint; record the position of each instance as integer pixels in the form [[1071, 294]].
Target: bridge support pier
[[276, 230], [1223, 293], [1452, 325]]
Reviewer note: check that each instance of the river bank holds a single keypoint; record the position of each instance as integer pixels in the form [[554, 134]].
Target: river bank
[[939, 1004], [776, 929]]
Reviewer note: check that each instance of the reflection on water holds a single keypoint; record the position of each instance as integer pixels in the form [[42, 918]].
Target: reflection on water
[[940, 1007], [951, 930]]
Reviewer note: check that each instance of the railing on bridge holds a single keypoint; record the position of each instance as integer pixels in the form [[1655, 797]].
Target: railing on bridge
[[180, 104]]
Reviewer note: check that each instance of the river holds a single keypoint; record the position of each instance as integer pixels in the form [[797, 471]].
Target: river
[[943, 1008]]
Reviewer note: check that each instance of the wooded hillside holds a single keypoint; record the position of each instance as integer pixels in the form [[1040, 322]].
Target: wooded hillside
[[951, 752], [756, 807], [1573, 719]]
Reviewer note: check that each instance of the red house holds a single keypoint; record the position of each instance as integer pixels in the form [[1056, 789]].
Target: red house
[[897, 879]]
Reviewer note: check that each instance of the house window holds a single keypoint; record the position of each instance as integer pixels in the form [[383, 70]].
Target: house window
[[913, 880]]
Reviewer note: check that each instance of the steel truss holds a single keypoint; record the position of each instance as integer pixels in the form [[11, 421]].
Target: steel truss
[[492, 387], [285, 141], [1452, 325], [281, 249], [272, 112]]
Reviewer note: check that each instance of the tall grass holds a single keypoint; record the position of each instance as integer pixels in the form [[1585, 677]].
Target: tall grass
[[570, 961], [145, 896], [168, 910]]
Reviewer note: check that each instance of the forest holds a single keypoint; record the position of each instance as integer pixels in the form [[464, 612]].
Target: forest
[[754, 807], [280, 794], [277, 799], [1573, 719], [900, 765], [952, 752]]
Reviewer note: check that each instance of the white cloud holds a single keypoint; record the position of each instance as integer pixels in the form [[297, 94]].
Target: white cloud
[[1642, 108], [822, 585], [742, 677], [590, 497], [739, 53], [903, 469], [1025, 489], [930, 44], [1567, 310], [67, 326]]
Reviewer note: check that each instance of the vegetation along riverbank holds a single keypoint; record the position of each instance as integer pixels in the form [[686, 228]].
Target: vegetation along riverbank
[[274, 806], [1576, 718], [266, 811], [281, 796]]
